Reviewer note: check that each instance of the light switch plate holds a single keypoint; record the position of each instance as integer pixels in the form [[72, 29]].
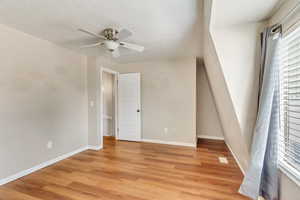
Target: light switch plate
[[166, 130], [49, 144]]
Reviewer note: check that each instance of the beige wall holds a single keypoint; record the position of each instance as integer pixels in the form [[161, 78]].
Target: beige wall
[[208, 123], [168, 98], [93, 87], [93, 84], [43, 98]]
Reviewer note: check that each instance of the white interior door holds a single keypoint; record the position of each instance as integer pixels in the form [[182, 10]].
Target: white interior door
[[129, 107]]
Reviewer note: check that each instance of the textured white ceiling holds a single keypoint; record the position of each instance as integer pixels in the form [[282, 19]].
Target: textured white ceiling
[[167, 28], [230, 12]]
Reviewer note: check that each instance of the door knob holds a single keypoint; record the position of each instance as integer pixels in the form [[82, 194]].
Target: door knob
[[138, 110]]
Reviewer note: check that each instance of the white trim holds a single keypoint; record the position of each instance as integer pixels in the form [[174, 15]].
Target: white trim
[[116, 121], [98, 106], [109, 71], [40, 166], [107, 117], [140, 106], [210, 137], [169, 143], [95, 148], [290, 172], [235, 157], [100, 101]]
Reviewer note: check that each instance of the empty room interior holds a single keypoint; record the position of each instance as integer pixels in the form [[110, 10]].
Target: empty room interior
[[150, 100]]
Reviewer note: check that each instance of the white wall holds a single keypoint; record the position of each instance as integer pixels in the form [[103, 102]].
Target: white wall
[[43, 98], [208, 123], [168, 92], [237, 48]]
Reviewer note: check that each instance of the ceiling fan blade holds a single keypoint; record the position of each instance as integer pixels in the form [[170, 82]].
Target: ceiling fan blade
[[92, 34], [116, 53], [91, 45], [134, 47], [124, 33]]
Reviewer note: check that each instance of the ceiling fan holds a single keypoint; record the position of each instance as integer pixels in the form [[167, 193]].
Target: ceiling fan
[[111, 40]]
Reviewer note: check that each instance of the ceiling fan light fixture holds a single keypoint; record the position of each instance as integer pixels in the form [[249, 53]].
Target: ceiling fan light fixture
[[111, 45]]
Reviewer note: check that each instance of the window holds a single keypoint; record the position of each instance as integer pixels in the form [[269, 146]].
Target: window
[[289, 148]]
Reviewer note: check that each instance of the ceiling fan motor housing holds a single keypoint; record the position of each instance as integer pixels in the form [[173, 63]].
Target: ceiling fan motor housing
[[110, 34]]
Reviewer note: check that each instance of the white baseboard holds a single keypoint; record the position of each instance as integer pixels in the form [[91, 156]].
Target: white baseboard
[[96, 148], [236, 159], [40, 166], [210, 137], [169, 143]]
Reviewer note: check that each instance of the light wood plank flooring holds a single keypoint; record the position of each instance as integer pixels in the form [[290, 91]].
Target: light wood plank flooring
[[134, 171]]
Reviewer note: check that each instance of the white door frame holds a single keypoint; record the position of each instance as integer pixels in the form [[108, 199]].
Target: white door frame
[[116, 75]]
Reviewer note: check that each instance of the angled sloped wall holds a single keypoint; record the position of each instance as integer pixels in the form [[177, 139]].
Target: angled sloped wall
[[230, 124], [236, 46], [230, 60]]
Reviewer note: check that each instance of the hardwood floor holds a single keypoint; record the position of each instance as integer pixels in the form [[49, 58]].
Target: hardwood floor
[[134, 171]]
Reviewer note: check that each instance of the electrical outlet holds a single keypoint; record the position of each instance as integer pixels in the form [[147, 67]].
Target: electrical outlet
[[166, 130], [223, 160], [49, 144]]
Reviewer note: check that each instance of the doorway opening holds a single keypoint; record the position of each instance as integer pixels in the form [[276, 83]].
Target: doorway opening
[[109, 108]]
